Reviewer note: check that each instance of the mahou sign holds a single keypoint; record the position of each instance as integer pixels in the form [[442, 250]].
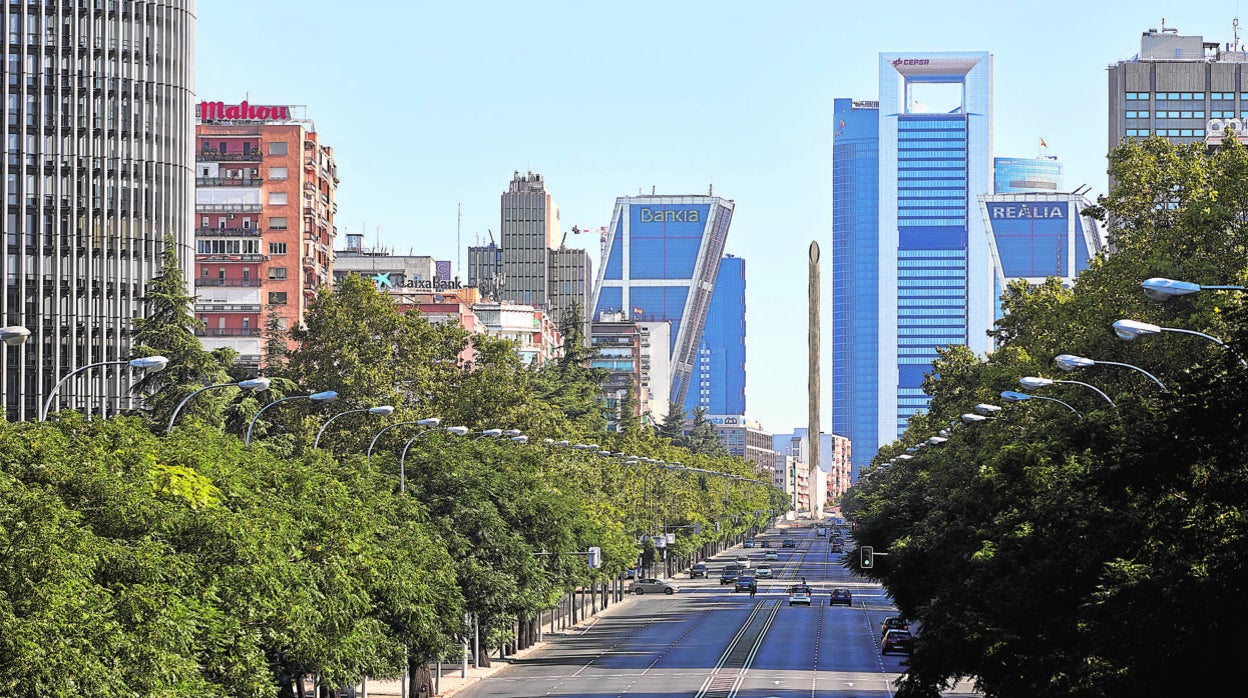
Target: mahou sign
[[220, 111]]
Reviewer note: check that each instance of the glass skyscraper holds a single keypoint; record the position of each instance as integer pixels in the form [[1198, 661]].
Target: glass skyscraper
[[933, 282], [662, 259], [718, 383], [1016, 175]]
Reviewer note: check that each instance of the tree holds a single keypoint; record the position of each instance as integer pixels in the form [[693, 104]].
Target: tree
[[167, 328], [672, 427], [627, 419], [702, 437]]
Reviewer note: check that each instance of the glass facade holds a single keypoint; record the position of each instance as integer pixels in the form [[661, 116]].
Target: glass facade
[[97, 123], [718, 383], [1016, 175], [855, 272], [661, 262]]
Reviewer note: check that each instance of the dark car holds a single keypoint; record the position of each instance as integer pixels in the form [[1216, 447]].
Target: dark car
[[896, 641], [764, 544], [788, 543], [698, 570], [748, 544], [837, 548], [841, 596], [893, 623], [744, 583], [730, 574]]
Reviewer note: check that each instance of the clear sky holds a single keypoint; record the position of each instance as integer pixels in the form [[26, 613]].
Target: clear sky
[[430, 105]]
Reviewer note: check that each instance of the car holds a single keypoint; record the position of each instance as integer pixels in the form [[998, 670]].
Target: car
[[743, 561], [821, 531], [764, 544], [788, 543], [799, 593], [896, 641], [771, 555], [893, 623], [744, 583], [748, 544], [698, 570], [837, 548], [841, 596], [729, 574], [652, 586], [763, 571]]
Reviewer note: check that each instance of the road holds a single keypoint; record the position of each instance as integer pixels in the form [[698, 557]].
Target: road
[[708, 642]]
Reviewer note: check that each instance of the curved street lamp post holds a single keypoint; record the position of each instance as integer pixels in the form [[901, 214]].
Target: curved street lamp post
[[257, 384], [380, 410], [147, 363], [1033, 382], [1011, 396], [324, 396]]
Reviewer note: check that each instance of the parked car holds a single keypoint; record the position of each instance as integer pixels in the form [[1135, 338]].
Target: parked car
[[698, 570], [799, 593], [896, 641], [893, 623], [743, 561], [763, 571], [771, 555], [842, 597], [744, 582], [729, 574], [749, 543], [652, 586], [788, 543]]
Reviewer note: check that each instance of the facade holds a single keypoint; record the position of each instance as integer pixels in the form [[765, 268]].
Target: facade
[[661, 264], [933, 282], [1035, 236], [635, 355], [718, 384], [835, 458], [264, 222], [98, 180], [387, 271], [1182, 88], [745, 438], [1041, 174], [856, 273], [530, 264], [536, 336]]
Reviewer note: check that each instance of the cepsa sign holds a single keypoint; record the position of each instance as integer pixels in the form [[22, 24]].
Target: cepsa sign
[[219, 111]]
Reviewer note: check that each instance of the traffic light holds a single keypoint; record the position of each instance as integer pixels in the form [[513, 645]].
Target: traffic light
[[717, 527], [867, 552], [697, 529], [595, 557]]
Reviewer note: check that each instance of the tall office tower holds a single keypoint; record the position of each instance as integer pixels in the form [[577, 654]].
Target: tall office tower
[[662, 260], [933, 282], [856, 273], [1017, 175], [530, 263], [1182, 88], [719, 376], [264, 234], [97, 178]]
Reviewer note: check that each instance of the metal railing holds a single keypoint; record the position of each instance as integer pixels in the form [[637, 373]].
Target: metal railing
[[217, 156], [228, 181], [227, 232], [228, 332]]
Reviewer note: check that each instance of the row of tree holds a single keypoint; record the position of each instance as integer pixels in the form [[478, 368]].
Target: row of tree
[[138, 563], [1101, 553]]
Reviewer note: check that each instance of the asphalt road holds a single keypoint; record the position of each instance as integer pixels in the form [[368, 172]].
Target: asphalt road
[[708, 642]]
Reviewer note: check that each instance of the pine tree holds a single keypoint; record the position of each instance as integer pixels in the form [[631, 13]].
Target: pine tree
[[702, 437], [275, 344], [627, 421], [672, 427]]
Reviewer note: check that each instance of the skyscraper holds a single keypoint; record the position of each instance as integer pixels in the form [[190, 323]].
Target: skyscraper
[[530, 264], [662, 259], [933, 282], [1017, 175], [718, 384], [97, 178]]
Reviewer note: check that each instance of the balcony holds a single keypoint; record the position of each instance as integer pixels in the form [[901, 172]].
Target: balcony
[[230, 283], [228, 332], [229, 258], [228, 181], [226, 232], [217, 156], [227, 307], [228, 208]]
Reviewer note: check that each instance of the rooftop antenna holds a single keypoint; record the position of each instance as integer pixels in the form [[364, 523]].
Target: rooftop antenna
[[1235, 29], [459, 249]]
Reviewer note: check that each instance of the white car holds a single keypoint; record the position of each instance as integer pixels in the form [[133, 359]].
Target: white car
[[652, 586], [743, 561]]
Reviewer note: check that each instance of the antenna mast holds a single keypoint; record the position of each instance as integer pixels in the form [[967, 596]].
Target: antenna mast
[[459, 254]]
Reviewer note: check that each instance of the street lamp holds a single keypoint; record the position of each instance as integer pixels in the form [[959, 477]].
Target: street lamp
[[258, 384], [488, 434], [1033, 382], [14, 335], [427, 422], [987, 410], [1070, 362], [972, 418], [1011, 396], [380, 410], [1160, 289], [324, 396], [147, 363], [1130, 329], [454, 431]]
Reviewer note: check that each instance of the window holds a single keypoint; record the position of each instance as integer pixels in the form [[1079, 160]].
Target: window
[[277, 198], [277, 148], [277, 223], [203, 222], [277, 248], [277, 298], [277, 272], [278, 173], [1161, 96]]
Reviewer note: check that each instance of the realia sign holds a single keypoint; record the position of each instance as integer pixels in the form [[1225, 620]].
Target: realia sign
[[1039, 210], [220, 111]]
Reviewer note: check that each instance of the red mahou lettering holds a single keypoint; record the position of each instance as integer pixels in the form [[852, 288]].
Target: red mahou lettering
[[220, 111]]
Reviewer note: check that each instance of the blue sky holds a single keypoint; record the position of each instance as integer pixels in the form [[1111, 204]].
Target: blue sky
[[432, 105]]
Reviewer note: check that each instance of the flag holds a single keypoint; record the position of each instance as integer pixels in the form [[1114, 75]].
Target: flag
[[636, 310], [1043, 144]]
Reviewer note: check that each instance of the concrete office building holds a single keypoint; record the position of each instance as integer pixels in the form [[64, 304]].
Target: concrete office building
[[1182, 88], [98, 180], [930, 266], [662, 260], [745, 438], [635, 356], [719, 376]]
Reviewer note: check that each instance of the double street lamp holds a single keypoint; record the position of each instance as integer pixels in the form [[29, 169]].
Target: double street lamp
[[146, 363]]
